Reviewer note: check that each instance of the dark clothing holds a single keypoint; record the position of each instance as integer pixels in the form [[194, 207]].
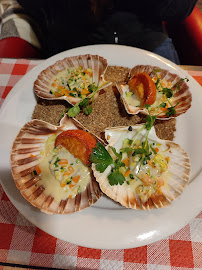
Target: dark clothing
[[66, 24]]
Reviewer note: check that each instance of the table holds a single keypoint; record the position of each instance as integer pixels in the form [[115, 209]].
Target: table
[[24, 245]]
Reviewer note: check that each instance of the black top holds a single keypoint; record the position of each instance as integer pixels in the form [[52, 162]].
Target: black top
[[66, 24]]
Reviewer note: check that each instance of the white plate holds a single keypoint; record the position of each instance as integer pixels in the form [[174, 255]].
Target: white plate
[[106, 225]]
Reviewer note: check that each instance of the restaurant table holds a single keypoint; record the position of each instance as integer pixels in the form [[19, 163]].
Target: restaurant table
[[25, 246]]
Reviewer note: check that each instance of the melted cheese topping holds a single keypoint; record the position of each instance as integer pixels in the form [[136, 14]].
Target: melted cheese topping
[[62, 175]]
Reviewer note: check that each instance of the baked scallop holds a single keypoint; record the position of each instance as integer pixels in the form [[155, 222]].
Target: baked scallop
[[166, 94], [72, 79], [142, 171], [50, 175]]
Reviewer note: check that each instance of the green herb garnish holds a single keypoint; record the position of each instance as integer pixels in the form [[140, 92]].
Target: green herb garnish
[[101, 157], [171, 111], [131, 176], [88, 110], [56, 162], [86, 104], [72, 94], [68, 182], [126, 150], [153, 150], [168, 92], [92, 88], [150, 119], [139, 151], [116, 178], [73, 111], [162, 105]]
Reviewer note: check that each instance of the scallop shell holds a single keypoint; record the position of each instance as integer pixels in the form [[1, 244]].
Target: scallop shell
[[183, 96], [97, 63], [178, 171], [25, 155]]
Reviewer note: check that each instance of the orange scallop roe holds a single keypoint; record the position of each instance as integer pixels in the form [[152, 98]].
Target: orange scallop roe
[[79, 143], [143, 85]]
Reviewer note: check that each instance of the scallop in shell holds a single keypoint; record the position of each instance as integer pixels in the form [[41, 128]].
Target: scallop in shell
[[154, 175], [72, 78], [50, 177], [172, 91]]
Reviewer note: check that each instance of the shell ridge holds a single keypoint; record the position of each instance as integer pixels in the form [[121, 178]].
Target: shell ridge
[[77, 202], [169, 195], [177, 171], [89, 193], [23, 151], [24, 160], [46, 204], [25, 169], [28, 183], [62, 206], [37, 193]]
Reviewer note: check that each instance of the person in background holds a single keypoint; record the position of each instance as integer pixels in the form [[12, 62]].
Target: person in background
[[66, 24]]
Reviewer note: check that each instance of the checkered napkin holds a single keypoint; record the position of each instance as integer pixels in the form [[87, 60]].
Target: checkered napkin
[[23, 243]]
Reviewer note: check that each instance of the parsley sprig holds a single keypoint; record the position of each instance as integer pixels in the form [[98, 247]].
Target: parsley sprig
[[101, 157]]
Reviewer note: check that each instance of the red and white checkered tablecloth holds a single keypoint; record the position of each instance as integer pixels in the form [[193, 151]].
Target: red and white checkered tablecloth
[[23, 243]]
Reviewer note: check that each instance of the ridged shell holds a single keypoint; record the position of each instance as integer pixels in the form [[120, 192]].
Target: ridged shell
[[183, 96], [97, 63], [179, 172], [25, 155]]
